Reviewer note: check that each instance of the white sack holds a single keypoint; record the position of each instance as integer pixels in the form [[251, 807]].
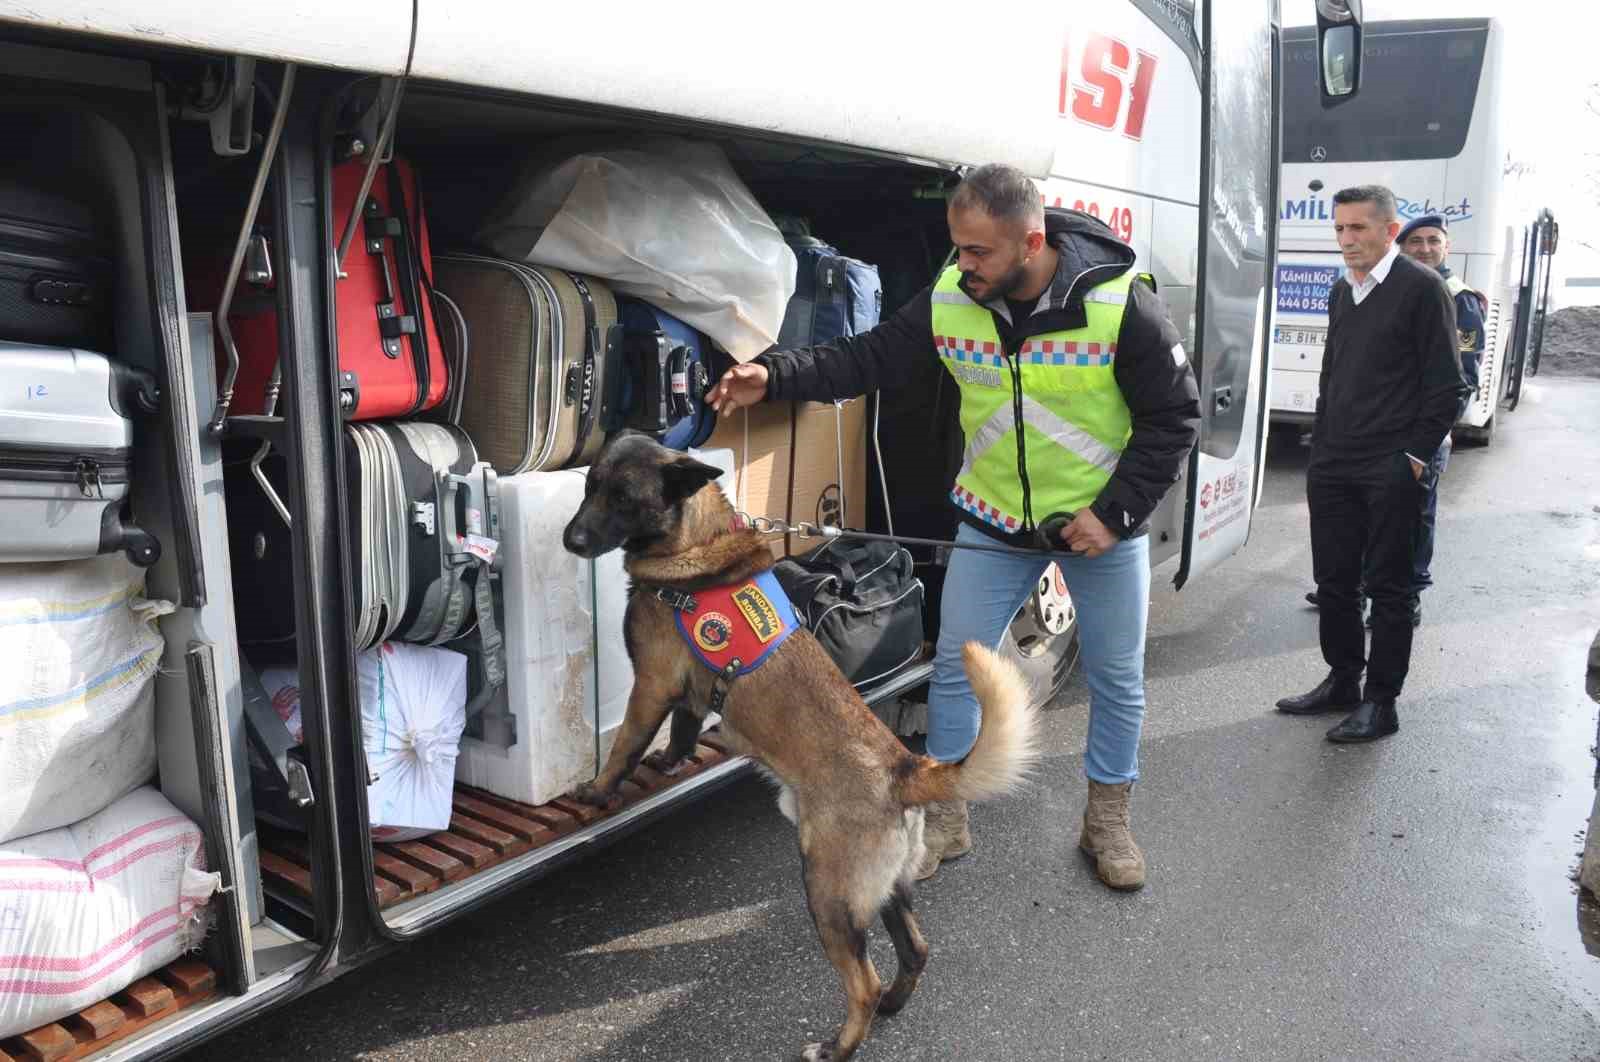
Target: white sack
[[413, 710], [78, 650], [88, 909], [667, 221]]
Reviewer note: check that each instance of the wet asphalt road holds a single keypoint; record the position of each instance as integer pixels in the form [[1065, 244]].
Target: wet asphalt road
[[1404, 900]]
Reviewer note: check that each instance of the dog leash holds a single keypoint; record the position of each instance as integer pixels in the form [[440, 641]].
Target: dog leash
[[1049, 531]]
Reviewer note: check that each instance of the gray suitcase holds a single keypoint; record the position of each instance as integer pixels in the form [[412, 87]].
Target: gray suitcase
[[425, 524], [66, 440], [542, 344]]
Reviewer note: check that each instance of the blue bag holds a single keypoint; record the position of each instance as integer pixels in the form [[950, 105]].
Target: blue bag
[[833, 296], [662, 388]]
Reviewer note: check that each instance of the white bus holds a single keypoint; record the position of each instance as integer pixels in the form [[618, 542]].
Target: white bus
[[1158, 115], [1427, 125]]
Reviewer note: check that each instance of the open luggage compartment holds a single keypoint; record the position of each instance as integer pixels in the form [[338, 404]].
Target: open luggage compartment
[[97, 131]]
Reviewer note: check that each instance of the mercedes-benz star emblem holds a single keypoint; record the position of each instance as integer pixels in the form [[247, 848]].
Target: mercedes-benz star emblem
[[1319, 154]]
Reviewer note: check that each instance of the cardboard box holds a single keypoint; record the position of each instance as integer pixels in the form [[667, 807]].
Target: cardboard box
[[824, 441]]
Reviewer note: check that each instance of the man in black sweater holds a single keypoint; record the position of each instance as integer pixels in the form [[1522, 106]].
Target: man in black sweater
[[1390, 389]]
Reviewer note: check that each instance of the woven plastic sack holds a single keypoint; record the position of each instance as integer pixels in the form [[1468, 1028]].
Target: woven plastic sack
[[79, 650], [88, 909]]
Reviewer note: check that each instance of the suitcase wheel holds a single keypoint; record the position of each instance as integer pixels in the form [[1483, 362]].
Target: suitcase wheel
[[143, 548]]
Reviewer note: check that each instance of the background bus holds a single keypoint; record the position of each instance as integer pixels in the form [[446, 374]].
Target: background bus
[[1427, 125]]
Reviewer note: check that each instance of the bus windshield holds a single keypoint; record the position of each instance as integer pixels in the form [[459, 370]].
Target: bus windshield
[[1419, 82]]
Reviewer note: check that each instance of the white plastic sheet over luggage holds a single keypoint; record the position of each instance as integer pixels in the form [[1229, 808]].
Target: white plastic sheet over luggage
[[78, 650], [88, 909], [667, 221]]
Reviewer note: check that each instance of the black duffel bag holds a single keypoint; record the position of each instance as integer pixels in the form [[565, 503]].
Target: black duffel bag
[[862, 602]]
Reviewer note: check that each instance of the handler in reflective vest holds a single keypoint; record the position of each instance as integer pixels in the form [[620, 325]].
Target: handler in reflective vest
[[1076, 398]]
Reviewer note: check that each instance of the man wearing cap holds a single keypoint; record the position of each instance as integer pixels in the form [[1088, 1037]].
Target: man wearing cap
[[1426, 240]]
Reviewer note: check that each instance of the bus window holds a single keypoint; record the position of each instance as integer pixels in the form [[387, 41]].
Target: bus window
[[1417, 94]]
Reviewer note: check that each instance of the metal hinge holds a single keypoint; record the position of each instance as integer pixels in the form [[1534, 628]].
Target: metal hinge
[[300, 784]]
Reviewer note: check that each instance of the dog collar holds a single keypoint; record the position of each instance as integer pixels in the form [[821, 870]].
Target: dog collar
[[733, 629]]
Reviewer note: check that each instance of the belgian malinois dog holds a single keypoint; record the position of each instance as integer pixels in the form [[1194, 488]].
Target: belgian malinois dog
[[849, 785]]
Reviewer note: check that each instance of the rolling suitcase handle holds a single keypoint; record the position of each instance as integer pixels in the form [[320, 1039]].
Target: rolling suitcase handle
[[472, 502], [403, 281]]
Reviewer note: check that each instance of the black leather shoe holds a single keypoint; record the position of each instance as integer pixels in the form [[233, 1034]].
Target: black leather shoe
[[1311, 599], [1333, 694], [1371, 721]]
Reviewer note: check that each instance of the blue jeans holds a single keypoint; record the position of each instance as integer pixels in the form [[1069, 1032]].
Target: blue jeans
[[1422, 558], [982, 591]]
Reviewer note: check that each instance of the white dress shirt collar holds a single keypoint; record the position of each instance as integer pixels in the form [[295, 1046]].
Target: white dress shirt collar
[[1360, 289]]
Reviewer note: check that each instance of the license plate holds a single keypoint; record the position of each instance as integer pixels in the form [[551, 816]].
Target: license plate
[[1300, 337]]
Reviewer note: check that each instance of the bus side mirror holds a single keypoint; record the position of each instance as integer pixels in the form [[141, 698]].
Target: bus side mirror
[[1338, 49]]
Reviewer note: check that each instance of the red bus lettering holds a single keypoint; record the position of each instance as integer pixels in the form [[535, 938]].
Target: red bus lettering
[[1102, 102]]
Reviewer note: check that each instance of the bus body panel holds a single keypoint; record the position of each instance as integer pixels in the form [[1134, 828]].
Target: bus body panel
[[369, 35], [879, 77]]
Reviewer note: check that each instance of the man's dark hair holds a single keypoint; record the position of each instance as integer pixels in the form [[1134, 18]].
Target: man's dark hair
[[1376, 194], [1003, 192]]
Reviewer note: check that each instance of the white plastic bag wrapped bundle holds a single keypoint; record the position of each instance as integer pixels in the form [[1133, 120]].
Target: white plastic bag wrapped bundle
[[88, 909], [664, 220], [78, 651], [413, 711]]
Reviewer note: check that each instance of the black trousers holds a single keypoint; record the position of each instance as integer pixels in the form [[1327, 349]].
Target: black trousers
[[1365, 518]]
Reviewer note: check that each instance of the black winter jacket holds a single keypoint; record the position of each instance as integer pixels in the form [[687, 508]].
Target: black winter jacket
[[1151, 368]]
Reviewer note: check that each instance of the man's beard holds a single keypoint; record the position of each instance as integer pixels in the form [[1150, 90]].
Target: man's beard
[[1000, 289]]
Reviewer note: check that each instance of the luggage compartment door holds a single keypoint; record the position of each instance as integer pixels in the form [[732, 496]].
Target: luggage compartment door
[[1238, 235]]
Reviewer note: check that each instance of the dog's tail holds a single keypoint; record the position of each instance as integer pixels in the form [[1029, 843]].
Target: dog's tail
[[1007, 749]]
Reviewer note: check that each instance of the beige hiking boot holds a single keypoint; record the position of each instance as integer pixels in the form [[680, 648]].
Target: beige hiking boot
[[945, 835], [1108, 839]]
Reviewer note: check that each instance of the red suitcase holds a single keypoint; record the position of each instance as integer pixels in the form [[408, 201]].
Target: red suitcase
[[391, 362]]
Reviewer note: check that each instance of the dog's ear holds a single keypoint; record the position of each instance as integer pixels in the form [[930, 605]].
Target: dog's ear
[[683, 477]]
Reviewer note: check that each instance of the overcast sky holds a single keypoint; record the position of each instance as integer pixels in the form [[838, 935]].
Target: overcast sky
[[1548, 68]]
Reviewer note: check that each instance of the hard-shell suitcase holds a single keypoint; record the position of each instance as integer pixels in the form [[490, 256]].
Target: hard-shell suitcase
[[66, 436], [834, 295], [424, 516], [391, 361], [542, 341], [662, 390], [55, 270]]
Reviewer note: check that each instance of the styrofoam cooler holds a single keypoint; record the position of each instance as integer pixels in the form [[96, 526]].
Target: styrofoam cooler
[[567, 670]]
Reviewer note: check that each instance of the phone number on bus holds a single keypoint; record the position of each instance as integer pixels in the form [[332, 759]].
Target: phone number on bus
[[1120, 219]]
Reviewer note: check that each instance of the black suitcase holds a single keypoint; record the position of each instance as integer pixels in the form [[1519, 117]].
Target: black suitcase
[[55, 270], [423, 512]]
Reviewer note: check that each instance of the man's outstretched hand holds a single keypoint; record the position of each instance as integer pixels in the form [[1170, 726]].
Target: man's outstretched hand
[[740, 386]]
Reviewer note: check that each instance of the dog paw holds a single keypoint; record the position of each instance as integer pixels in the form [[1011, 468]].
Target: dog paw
[[593, 795], [662, 762], [817, 1053]]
